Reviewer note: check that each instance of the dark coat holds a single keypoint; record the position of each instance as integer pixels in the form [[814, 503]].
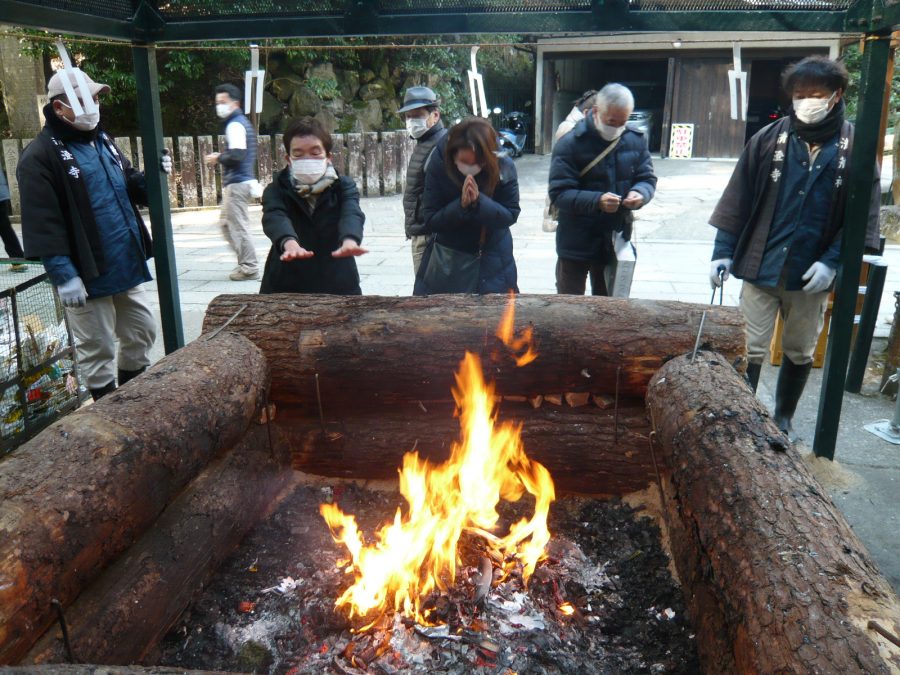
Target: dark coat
[[741, 209], [460, 229], [585, 232], [286, 215], [57, 218], [415, 181]]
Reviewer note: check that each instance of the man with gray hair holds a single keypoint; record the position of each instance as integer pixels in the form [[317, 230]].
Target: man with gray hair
[[601, 172]]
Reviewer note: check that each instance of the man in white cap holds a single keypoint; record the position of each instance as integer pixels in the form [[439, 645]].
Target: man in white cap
[[423, 122], [80, 217]]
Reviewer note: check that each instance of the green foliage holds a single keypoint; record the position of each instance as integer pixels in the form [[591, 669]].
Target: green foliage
[[324, 89], [852, 58]]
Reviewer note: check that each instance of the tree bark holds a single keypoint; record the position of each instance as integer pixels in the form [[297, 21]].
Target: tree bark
[[81, 492], [580, 447], [86, 669], [779, 581], [123, 615], [374, 351]]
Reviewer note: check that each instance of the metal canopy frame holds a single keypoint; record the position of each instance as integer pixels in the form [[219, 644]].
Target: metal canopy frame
[[147, 23]]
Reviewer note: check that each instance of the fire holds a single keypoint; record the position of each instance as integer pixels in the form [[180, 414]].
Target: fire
[[417, 552]]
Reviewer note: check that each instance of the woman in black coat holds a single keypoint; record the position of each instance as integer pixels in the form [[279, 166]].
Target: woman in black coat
[[470, 201], [313, 218]]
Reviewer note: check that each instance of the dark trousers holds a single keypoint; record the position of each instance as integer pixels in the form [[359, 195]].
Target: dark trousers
[[8, 234], [571, 277]]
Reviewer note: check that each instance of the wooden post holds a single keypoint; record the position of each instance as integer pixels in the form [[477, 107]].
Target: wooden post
[[207, 173], [174, 178], [187, 170], [10, 158], [355, 159], [338, 154], [264, 158], [373, 164]]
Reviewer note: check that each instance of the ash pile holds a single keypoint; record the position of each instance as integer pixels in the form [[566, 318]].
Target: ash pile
[[602, 601]]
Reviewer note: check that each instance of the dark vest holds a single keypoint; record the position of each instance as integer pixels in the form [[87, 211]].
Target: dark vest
[[246, 170], [415, 180]]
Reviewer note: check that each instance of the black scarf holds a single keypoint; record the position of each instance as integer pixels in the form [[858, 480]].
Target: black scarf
[[821, 131]]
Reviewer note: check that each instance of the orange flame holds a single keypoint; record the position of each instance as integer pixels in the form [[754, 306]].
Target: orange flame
[[505, 331], [417, 552]]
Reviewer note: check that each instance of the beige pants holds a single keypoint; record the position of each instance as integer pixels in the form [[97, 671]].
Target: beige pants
[[234, 219], [125, 317], [803, 314], [418, 244]]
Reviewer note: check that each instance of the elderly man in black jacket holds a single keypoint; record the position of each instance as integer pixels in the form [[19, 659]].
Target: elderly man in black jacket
[[600, 173], [423, 122]]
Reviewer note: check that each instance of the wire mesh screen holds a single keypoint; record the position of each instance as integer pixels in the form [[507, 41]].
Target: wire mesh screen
[[187, 9], [738, 5], [115, 9], [38, 376], [433, 6]]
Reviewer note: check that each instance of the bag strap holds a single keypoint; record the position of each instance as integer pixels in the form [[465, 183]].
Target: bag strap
[[599, 158]]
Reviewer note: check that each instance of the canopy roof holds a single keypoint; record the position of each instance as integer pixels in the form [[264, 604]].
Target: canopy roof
[[181, 20]]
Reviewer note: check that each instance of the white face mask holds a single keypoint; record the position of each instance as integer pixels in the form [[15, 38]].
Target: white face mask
[[812, 110], [223, 110], [85, 121], [607, 131], [417, 126], [308, 171], [468, 169]]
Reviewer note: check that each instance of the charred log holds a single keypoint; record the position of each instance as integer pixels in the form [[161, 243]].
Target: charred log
[[780, 583], [81, 492]]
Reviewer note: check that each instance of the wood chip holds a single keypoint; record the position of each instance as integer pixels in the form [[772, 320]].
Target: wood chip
[[267, 414], [576, 399], [555, 399], [603, 401], [536, 401]]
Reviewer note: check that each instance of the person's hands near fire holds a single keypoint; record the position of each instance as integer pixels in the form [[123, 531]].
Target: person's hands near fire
[[469, 192], [292, 250], [349, 249]]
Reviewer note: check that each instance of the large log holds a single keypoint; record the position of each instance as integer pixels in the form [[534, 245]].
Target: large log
[[372, 351], [122, 616], [580, 446], [81, 492], [777, 580]]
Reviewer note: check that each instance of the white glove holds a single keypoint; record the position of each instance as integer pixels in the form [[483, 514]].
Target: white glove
[[714, 281], [819, 275], [72, 293], [165, 163]]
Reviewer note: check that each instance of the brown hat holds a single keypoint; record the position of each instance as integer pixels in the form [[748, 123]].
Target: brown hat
[[55, 85]]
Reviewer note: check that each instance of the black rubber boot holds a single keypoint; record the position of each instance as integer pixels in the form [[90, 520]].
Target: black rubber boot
[[791, 381], [128, 375], [752, 375], [103, 391]]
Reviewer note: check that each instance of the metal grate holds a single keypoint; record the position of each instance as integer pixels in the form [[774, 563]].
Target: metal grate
[[483, 6], [187, 9], [38, 375], [738, 5]]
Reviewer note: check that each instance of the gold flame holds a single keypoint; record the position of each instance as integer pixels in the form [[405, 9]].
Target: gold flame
[[417, 552]]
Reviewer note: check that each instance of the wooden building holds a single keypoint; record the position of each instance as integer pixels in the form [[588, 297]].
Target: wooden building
[[676, 78]]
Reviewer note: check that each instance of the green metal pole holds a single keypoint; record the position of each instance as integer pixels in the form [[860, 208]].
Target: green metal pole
[[150, 121], [856, 216]]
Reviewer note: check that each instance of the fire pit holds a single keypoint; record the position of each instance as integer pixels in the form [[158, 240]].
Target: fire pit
[[772, 577]]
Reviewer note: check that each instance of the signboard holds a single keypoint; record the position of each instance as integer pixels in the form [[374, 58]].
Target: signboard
[[681, 145]]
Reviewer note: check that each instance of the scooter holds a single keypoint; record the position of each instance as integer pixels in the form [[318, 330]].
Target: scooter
[[512, 137]]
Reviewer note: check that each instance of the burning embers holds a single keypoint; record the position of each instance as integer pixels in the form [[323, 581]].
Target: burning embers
[[417, 554]]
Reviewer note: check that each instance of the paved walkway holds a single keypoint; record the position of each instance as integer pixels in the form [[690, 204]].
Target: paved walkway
[[674, 246]]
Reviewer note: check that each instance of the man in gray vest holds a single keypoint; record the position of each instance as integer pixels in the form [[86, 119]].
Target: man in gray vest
[[423, 122], [238, 164]]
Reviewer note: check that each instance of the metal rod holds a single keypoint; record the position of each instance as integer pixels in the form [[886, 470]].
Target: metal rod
[[856, 217], [616, 408], [64, 628], [269, 425], [878, 628], [319, 399], [699, 333], [662, 492], [866, 329], [224, 325]]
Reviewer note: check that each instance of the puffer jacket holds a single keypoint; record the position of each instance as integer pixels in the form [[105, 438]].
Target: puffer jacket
[[415, 180], [4, 187], [460, 229], [585, 232]]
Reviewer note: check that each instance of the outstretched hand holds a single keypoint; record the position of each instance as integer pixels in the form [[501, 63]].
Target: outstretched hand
[[294, 251], [349, 249]]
